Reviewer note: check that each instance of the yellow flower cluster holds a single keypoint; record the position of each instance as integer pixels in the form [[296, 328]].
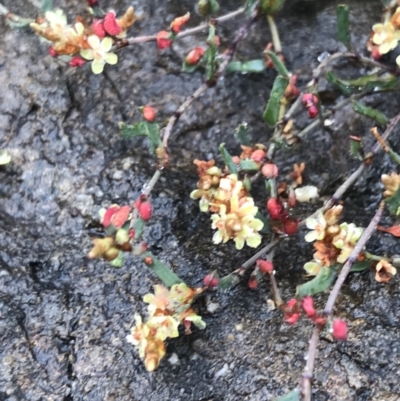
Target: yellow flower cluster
[[333, 242], [167, 310], [385, 37]]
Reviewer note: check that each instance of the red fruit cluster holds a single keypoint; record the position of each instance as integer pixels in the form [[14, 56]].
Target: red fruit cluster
[[77, 62], [107, 25], [258, 156], [145, 210], [275, 208], [269, 170], [310, 101], [116, 216], [278, 212], [291, 311], [253, 282]]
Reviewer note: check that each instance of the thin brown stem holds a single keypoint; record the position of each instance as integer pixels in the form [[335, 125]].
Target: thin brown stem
[[261, 253], [312, 351], [187, 32]]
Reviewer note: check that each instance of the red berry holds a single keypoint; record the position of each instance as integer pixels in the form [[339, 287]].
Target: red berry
[[98, 28], [312, 111], [195, 56], [211, 281], [307, 98], [376, 55], [163, 40], [77, 62], [339, 330], [308, 306], [110, 24], [145, 210], [149, 114], [270, 170], [265, 266], [290, 226], [292, 318], [274, 208], [258, 155]]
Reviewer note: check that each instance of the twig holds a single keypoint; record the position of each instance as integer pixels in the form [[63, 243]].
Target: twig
[[261, 253], [308, 371], [187, 32], [274, 34]]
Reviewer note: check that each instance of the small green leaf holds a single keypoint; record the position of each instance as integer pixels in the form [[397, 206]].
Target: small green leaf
[[47, 5], [271, 113], [19, 22], [250, 7], [266, 227], [365, 83], [278, 64], [321, 282], [241, 134], [394, 156], [247, 183], [271, 6], [162, 271], [356, 148], [343, 30], [142, 128], [393, 203], [361, 266], [292, 396], [232, 167], [211, 54], [249, 165], [252, 66], [376, 115], [5, 158], [340, 84], [189, 68], [214, 6], [227, 282], [118, 261], [139, 227]]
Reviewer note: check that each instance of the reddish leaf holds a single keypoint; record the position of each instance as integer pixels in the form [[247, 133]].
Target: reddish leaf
[[108, 215], [395, 230]]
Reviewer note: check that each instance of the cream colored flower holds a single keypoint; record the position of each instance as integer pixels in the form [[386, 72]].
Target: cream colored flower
[[239, 224], [56, 19], [139, 335], [163, 326], [385, 36], [312, 268], [318, 225], [99, 53]]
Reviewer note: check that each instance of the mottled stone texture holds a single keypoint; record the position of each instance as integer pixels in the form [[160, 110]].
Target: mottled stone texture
[[64, 319]]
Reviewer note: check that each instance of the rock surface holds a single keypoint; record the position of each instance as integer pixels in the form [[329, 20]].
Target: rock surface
[[64, 319]]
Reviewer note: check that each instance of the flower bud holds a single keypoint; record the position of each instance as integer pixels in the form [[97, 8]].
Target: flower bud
[[177, 23], [290, 226], [111, 254], [92, 3], [98, 28], [275, 208], [149, 114], [292, 91], [204, 7], [148, 260], [253, 282], [376, 55], [145, 210], [52, 52], [258, 156], [270, 170], [163, 40], [271, 6], [211, 280], [77, 61], [121, 237], [265, 266], [339, 330], [308, 306], [110, 24], [195, 56], [312, 111]]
